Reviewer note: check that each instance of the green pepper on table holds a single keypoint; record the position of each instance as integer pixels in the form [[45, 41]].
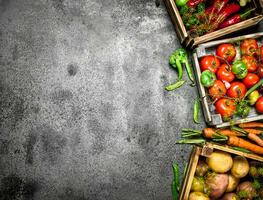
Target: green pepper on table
[[179, 58]]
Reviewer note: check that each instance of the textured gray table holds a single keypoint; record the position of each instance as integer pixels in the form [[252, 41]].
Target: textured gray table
[[83, 113]]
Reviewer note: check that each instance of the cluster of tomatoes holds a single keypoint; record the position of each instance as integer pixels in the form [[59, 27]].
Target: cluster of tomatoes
[[228, 76]]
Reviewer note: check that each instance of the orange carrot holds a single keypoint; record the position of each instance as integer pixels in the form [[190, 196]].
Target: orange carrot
[[253, 131], [238, 142], [209, 132], [228, 132], [212, 133], [255, 139], [251, 125]]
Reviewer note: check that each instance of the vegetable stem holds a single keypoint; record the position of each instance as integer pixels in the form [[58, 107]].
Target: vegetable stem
[[191, 130], [254, 88], [240, 130], [241, 149], [191, 141]]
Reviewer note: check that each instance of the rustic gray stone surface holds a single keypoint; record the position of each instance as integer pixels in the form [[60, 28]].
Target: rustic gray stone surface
[[83, 111]]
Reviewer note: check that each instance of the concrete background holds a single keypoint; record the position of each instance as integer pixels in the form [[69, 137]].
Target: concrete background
[[83, 111]]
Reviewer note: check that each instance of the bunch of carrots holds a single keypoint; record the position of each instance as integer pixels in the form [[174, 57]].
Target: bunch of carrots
[[246, 137]]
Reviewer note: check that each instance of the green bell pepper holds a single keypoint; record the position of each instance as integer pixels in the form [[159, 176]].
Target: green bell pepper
[[178, 58]]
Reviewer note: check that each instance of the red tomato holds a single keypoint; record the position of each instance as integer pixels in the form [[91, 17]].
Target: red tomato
[[210, 62], [237, 90], [224, 73], [260, 70], [226, 51], [259, 105], [225, 107], [217, 90], [250, 80], [251, 63], [249, 47]]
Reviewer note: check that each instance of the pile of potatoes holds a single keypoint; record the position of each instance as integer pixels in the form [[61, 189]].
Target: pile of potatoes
[[225, 177]]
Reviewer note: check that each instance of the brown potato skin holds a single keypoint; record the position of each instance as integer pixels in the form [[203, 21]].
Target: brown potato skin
[[198, 196], [240, 167], [220, 162], [217, 184], [232, 183], [250, 190], [229, 196]]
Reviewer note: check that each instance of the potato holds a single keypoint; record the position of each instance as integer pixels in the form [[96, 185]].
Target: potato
[[201, 168], [198, 184], [240, 167], [220, 161], [198, 196], [216, 184], [230, 196], [246, 191], [232, 183]]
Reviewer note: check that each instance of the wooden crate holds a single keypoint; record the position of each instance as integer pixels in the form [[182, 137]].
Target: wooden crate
[[189, 41], [206, 151], [210, 117]]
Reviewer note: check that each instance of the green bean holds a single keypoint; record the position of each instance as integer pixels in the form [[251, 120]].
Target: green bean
[[176, 175], [196, 111], [174, 191], [175, 85], [189, 72], [176, 181]]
